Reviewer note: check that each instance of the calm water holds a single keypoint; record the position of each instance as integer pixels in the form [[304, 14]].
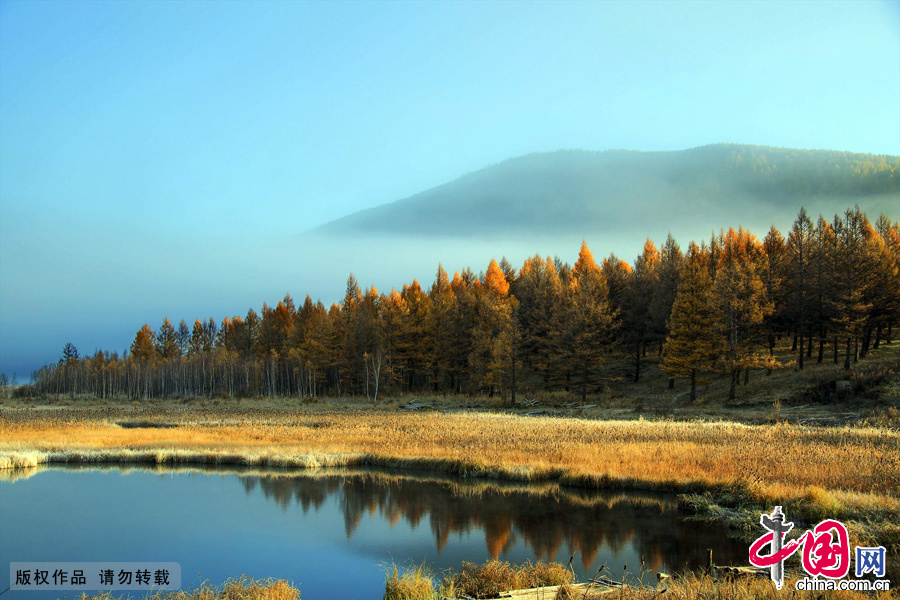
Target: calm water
[[332, 532]]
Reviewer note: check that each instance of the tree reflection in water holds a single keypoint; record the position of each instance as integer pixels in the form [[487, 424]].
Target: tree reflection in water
[[546, 517]]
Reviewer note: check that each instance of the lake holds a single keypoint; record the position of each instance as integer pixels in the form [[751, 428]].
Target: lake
[[332, 532]]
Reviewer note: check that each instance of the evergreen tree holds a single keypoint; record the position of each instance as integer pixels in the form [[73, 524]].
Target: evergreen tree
[[69, 354], [167, 341], [183, 337]]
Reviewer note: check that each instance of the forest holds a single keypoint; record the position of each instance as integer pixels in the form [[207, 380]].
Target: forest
[[829, 290]]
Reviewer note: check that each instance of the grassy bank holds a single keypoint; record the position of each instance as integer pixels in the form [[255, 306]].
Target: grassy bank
[[490, 578], [487, 580], [242, 588]]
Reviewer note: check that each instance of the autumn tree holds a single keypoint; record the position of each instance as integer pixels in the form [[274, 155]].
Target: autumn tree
[[668, 278], [742, 304], [773, 276], [884, 284], [639, 289], [853, 278], [439, 330], [540, 294], [616, 273], [142, 348], [824, 299], [465, 311], [589, 325], [890, 236], [693, 344], [167, 341], [494, 334], [198, 339], [799, 254]]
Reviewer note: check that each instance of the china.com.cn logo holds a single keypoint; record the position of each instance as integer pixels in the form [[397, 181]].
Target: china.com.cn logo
[[826, 550]]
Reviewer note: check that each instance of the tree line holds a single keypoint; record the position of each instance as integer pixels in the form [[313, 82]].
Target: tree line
[[832, 288]]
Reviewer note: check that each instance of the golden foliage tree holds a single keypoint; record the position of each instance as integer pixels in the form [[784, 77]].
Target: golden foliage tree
[[693, 344], [742, 303]]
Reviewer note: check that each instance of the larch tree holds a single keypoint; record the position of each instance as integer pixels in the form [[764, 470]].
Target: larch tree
[[798, 282], [854, 278], [693, 344], [167, 341], [616, 273], [884, 289], [198, 339], [411, 353], [589, 327], [539, 291], [823, 284], [494, 336], [352, 366], [466, 309], [639, 289], [143, 348], [671, 261], [742, 303], [773, 274], [439, 330], [890, 235]]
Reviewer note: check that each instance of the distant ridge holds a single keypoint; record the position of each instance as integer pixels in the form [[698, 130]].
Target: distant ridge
[[577, 190]]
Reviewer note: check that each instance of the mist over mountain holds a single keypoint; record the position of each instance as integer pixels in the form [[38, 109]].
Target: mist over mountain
[[585, 193]]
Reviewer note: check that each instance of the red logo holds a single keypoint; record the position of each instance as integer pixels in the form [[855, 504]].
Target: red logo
[[826, 548]]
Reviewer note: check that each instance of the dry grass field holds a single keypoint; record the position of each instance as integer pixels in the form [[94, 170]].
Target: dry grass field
[[852, 466]]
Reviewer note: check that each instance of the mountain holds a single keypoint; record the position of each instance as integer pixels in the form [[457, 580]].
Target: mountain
[[577, 191]]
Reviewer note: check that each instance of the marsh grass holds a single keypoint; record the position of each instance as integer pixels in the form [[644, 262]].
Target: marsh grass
[[241, 588], [490, 578], [694, 586], [769, 461], [413, 582]]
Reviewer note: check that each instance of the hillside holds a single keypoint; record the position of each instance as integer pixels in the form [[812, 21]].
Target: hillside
[[577, 191]]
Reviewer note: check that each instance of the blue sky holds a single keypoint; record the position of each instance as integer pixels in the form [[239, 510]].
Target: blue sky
[[166, 158]]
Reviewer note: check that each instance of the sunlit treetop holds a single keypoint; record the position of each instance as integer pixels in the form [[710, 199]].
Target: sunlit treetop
[[495, 280], [585, 263]]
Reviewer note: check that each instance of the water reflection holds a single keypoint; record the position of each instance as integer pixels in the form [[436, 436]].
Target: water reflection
[[547, 519], [332, 531]]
